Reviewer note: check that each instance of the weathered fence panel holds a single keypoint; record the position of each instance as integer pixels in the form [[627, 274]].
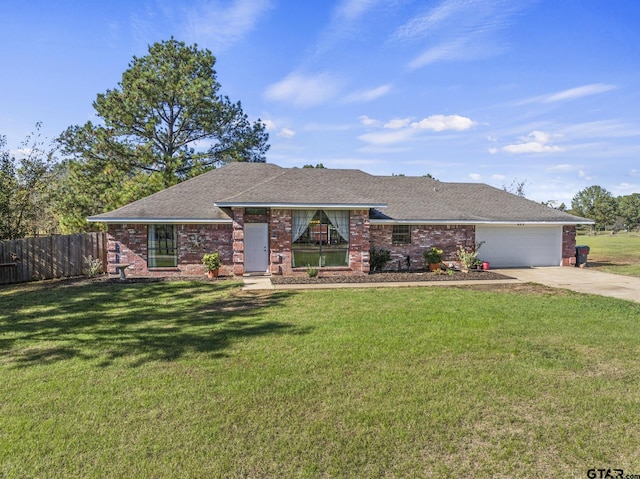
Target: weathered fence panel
[[32, 259]]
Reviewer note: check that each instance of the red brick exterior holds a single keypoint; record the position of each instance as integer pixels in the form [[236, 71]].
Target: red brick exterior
[[569, 245], [127, 244], [238, 241], [280, 242], [423, 237]]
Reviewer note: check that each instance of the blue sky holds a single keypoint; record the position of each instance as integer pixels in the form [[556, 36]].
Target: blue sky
[[491, 91]]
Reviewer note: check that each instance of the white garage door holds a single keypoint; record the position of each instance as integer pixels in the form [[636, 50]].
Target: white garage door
[[512, 246]]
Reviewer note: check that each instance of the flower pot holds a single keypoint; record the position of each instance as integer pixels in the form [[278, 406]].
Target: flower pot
[[485, 265], [212, 273], [434, 266]]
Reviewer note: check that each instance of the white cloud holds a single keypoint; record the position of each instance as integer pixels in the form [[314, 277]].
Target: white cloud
[[444, 122], [584, 175], [387, 137], [564, 168], [535, 142], [397, 123], [368, 95], [366, 121], [625, 188], [314, 126], [222, 25], [451, 50], [349, 10], [570, 94], [458, 29], [305, 90], [498, 177], [475, 176], [286, 133], [402, 129], [579, 92], [346, 22], [269, 125]]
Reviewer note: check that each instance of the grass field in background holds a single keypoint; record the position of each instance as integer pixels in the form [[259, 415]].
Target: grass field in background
[[613, 253], [197, 379]]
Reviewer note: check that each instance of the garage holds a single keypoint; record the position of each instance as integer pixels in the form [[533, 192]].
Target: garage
[[520, 245]]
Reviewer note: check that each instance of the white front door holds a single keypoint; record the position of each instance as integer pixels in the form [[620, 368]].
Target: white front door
[[256, 247]]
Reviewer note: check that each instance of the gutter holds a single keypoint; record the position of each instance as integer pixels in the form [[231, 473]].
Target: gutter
[[300, 206], [477, 222]]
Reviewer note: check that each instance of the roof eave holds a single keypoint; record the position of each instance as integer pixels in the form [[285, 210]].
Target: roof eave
[[474, 222], [113, 220], [298, 206]]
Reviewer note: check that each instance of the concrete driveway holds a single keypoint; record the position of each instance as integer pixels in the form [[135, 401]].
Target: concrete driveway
[[582, 280]]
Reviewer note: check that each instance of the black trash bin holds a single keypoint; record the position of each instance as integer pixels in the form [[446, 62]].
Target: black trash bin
[[582, 251]]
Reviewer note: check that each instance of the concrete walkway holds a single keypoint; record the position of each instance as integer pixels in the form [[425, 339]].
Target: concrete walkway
[[582, 280]]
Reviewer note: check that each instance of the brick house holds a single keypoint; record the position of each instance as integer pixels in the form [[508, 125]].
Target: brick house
[[262, 218]]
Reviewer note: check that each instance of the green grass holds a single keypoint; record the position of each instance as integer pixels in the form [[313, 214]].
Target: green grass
[[619, 253], [196, 379]]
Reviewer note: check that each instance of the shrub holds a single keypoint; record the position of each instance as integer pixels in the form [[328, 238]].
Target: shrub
[[468, 259], [378, 258], [312, 272], [92, 266]]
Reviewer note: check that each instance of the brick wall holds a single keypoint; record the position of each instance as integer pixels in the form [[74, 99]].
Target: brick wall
[[130, 247], [238, 241], [568, 245], [359, 241], [280, 242], [423, 237]]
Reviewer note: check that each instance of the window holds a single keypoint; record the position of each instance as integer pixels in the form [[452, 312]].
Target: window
[[320, 238], [162, 249], [255, 211], [401, 234]]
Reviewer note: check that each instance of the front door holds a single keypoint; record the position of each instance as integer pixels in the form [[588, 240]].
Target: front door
[[256, 247]]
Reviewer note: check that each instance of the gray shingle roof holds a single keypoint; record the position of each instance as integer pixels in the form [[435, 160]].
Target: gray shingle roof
[[391, 198]]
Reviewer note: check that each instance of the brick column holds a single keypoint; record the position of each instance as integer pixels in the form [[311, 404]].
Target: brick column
[[569, 245], [238, 241], [280, 242], [359, 241]]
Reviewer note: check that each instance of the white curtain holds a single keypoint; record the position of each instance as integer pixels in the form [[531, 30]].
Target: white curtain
[[340, 221], [300, 221]]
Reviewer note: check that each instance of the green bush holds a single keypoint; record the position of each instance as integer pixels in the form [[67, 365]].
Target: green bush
[[378, 258]]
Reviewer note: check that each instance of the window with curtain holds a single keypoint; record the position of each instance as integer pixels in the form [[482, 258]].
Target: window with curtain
[[320, 238], [162, 246]]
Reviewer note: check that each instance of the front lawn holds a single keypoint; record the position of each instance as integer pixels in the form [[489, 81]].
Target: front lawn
[[613, 253], [197, 379]]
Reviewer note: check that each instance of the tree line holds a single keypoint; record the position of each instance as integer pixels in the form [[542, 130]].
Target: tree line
[[165, 122], [599, 205]]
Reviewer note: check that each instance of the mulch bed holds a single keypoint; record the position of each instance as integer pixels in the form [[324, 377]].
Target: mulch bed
[[390, 277]]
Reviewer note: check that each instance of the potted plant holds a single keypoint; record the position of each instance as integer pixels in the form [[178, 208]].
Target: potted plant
[[211, 263], [433, 257]]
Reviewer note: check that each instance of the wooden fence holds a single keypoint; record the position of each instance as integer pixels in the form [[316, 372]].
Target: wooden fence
[[32, 259]]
